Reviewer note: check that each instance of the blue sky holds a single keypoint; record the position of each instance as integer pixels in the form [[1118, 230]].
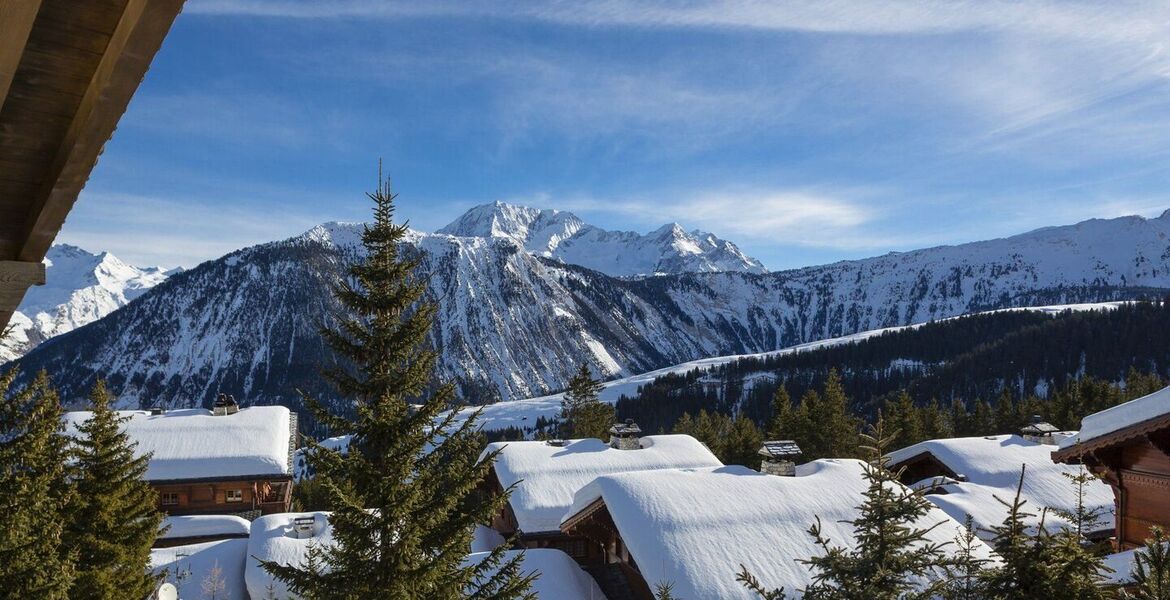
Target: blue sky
[[805, 131]]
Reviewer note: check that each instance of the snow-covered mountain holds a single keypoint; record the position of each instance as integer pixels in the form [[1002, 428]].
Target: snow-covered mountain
[[562, 236], [515, 325], [81, 287]]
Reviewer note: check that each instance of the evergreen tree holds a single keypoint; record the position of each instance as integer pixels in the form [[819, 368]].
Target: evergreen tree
[[114, 520], [890, 553], [404, 496], [1025, 571], [934, 422], [965, 580], [834, 425], [664, 591], [905, 418], [1006, 419], [583, 391], [742, 443], [1151, 569], [594, 420], [782, 414], [1077, 564], [982, 421], [34, 497]]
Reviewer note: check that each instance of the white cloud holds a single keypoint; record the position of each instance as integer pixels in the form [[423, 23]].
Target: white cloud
[[150, 231]]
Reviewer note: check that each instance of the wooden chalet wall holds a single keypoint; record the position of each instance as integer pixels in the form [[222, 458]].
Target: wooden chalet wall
[[1135, 462], [68, 69], [212, 496]]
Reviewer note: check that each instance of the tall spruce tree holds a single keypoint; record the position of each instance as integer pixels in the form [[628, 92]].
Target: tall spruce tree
[[404, 496], [891, 555], [582, 415], [114, 519], [34, 496]]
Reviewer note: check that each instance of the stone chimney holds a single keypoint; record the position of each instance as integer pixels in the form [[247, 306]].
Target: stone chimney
[[1039, 431], [625, 436], [780, 458], [225, 404]]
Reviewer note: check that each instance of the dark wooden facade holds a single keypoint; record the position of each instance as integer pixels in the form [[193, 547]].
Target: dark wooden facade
[[249, 496], [595, 524], [68, 69], [581, 549], [921, 466], [1135, 462]]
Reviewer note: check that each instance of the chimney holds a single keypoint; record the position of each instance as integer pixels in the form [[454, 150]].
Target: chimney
[[225, 404], [780, 458], [1039, 431], [625, 436]]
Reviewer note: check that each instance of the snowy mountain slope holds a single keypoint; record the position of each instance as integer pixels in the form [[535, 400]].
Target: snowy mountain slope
[[515, 325], [525, 413], [81, 287], [564, 237]]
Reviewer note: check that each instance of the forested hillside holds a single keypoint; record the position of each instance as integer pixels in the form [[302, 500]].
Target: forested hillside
[[967, 361]]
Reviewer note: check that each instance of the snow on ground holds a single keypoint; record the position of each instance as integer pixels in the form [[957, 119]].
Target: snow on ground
[[188, 567], [1121, 416], [192, 443], [274, 538], [204, 526], [992, 468], [486, 539], [547, 476], [524, 413], [695, 527], [560, 577]]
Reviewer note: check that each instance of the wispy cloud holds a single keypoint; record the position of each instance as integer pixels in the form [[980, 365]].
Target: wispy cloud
[[170, 232]]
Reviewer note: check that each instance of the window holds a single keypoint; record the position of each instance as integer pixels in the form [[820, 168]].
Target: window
[[170, 498], [235, 495]]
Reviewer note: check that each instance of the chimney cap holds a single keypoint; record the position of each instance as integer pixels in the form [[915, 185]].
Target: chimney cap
[[1039, 428], [780, 449], [624, 429]]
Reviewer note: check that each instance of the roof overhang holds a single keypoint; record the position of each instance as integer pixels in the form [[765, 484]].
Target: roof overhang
[[67, 72], [1138, 431]]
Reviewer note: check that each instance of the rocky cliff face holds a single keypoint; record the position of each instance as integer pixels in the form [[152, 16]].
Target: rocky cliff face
[[515, 324]]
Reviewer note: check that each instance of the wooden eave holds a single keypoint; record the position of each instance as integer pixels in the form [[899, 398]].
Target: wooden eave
[[67, 72], [924, 456], [1076, 452]]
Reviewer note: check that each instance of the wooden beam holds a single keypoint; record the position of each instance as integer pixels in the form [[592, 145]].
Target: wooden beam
[[21, 273], [139, 34], [16, 21]]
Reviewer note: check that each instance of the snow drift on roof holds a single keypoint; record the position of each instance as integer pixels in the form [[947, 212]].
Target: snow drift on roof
[[274, 538], [548, 475], [204, 526], [1121, 416], [560, 577], [694, 527], [193, 444], [992, 467], [195, 561]]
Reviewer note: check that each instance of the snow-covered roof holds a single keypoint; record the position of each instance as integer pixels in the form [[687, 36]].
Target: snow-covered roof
[[695, 527], [1122, 416], [204, 526], [195, 562], [991, 466], [274, 538], [560, 577], [548, 475], [194, 444]]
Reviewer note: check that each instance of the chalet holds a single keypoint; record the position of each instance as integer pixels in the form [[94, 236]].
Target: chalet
[[547, 474], [963, 476], [1129, 447], [694, 527], [228, 461]]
